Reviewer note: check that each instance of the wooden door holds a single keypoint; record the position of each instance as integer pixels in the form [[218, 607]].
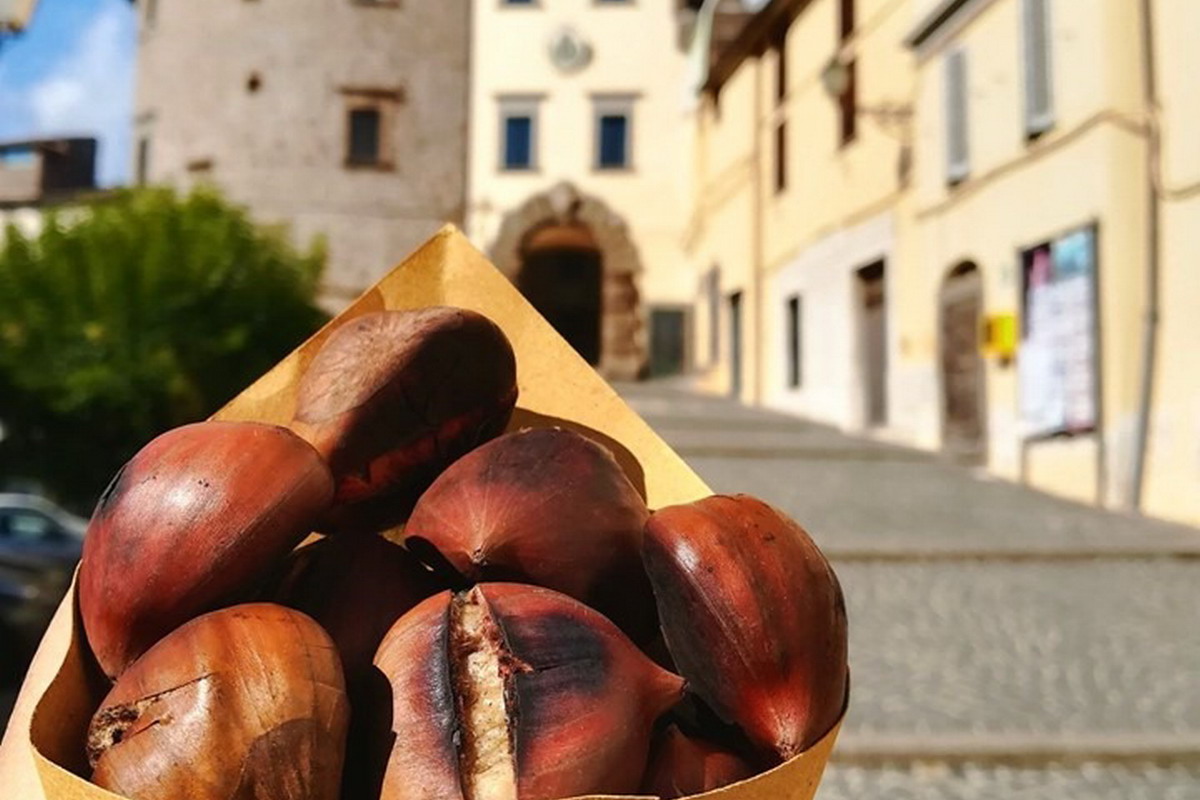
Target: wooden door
[[874, 342], [735, 344], [963, 391]]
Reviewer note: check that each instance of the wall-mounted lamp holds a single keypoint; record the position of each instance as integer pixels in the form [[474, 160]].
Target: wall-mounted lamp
[[835, 80]]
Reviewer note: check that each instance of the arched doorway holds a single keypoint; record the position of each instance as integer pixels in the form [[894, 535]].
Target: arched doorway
[[561, 275], [964, 393], [572, 257]]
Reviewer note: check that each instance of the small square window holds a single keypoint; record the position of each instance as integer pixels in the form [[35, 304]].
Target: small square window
[[364, 141], [518, 142], [614, 141], [614, 135], [142, 168], [519, 132]]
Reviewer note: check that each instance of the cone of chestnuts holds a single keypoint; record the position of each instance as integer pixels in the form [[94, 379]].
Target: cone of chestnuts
[[533, 632]]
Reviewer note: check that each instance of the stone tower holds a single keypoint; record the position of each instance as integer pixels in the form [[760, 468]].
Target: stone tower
[[346, 118]]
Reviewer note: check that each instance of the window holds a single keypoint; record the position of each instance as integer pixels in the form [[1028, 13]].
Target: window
[[957, 154], [780, 157], [1039, 105], [781, 68], [518, 142], [614, 123], [370, 121], [848, 106], [19, 157], [518, 133], [143, 160], [363, 145], [846, 20], [27, 526], [795, 321]]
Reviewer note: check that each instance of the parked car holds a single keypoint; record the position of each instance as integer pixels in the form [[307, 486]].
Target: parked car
[[40, 545]]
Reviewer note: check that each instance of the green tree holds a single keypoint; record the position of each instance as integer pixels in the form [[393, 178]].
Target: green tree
[[144, 311]]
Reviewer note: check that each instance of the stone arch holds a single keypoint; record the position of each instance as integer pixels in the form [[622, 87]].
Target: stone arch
[[623, 349]]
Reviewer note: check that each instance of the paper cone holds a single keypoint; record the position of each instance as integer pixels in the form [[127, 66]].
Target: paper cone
[[42, 755]]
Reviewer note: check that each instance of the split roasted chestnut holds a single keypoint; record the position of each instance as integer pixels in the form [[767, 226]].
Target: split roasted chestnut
[[393, 397], [548, 507], [513, 692], [246, 702], [753, 616], [196, 517]]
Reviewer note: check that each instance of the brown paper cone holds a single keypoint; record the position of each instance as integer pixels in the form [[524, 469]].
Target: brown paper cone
[[42, 754]]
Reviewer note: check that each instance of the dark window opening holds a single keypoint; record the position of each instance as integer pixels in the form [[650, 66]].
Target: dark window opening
[[794, 329], [143, 160], [780, 157], [518, 142], [848, 106], [364, 136], [781, 67], [614, 141], [846, 20]]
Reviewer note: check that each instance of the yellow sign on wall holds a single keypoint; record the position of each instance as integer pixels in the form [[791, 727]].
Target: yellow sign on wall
[[1000, 335]]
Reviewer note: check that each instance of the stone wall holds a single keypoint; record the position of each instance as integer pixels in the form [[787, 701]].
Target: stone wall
[[255, 96]]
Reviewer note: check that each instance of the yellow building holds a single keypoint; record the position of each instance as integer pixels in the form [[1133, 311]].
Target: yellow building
[[801, 159], [995, 263], [1172, 487]]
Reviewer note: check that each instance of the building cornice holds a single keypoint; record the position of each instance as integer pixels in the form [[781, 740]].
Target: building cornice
[[943, 21], [755, 36]]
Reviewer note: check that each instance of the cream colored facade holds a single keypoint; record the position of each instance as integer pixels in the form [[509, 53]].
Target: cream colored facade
[[1083, 170], [1173, 459], [630, 56]]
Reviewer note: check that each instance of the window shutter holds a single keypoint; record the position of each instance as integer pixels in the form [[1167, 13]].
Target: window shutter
[[1039, 111], [957, 164]]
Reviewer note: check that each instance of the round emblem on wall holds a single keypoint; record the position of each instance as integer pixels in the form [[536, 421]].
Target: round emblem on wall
[[569, 51]]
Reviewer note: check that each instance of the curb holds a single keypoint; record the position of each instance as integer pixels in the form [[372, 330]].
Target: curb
[[1018, 748]]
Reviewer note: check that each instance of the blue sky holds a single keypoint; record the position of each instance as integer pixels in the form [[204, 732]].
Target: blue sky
[[71, 73]]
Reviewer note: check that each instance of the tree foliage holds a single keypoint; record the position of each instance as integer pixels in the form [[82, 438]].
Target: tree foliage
[[144, 311]]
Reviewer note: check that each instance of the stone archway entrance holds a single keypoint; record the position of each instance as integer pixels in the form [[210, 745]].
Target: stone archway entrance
[[561, 274], [572, 257]]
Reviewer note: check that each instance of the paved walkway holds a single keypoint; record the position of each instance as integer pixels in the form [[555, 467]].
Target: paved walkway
[[1003, 642]]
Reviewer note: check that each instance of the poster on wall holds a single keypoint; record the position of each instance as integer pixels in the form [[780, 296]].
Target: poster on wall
[[1057, 364]]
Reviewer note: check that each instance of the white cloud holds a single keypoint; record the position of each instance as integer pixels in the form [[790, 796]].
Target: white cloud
[[90, 93]]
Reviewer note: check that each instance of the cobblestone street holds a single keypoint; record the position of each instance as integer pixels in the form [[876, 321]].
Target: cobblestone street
[[1003, 643]]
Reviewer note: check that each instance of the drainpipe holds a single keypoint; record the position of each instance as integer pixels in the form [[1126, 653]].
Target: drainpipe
[[1150, 317]]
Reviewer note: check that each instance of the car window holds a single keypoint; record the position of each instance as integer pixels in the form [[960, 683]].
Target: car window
[[27, 526]]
